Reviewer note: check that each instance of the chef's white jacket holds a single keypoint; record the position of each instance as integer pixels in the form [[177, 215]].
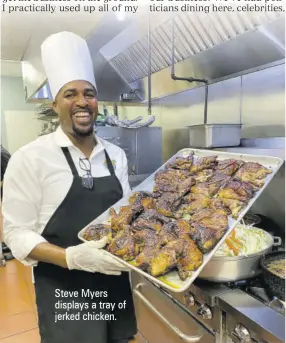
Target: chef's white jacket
[[37, 180]]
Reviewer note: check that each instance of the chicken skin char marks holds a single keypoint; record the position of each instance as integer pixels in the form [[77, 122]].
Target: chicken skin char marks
[[124, 217], [150, 219], [217, 220], [145, 199], [194, 203], [97, 232], [253, 173], [182, 254], [124, 245], [228, 167], [183, 163], [236, 190], [168, 204], [203, 176], [206, 238], [202, 163], [181, 187]]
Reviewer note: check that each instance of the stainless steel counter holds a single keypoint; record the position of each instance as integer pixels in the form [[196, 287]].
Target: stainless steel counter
[[260, 320]]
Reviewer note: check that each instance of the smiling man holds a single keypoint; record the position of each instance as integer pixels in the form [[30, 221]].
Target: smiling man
[[54, 187]]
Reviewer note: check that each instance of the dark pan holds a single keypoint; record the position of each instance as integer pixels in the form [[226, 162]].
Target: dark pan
[[274, 283]]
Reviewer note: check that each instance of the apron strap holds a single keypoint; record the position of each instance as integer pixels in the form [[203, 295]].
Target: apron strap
[[109, 163], [70, 161]]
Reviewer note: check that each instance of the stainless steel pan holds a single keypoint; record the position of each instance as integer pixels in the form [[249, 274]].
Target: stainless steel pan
[[234, 268]]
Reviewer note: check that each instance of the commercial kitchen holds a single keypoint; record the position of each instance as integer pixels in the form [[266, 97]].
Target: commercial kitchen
[[208, 84]]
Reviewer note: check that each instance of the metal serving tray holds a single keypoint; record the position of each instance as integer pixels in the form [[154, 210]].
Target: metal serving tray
[[171, 281]]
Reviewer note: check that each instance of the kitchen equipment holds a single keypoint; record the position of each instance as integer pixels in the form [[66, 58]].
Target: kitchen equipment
[[214, 135], [218, 313], [129, 124], [172, 281], [233, 268], [143, 147], [274, 283], [251, 219]]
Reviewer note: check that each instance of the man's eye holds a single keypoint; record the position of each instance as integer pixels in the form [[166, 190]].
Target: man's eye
[[90, 95], [69, 95]]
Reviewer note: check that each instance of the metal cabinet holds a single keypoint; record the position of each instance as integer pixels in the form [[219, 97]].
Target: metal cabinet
[[143, 147]]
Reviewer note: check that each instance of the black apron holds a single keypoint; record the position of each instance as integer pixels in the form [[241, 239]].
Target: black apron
[[80, 207]]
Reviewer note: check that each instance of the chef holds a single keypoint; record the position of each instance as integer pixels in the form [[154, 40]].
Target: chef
[[54, 187]]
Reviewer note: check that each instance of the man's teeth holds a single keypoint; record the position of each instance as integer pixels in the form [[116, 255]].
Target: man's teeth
[[82, 114]]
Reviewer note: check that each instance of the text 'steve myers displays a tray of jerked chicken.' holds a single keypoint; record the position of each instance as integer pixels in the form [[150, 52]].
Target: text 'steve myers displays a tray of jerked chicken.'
[[171, 225]]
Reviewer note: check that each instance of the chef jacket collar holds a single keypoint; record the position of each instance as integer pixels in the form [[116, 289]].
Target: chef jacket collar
[[62, 140]]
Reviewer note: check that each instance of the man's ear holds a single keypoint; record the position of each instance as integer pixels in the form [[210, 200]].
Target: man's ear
[[55, 106]]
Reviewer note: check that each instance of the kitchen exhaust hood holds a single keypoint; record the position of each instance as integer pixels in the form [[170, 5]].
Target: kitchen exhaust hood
[[210, 46]]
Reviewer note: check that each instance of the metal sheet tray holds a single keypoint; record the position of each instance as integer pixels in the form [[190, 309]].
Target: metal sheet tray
[[171, 281]]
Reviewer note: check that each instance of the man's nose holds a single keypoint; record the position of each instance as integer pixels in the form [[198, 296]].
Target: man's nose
[[81, 100]]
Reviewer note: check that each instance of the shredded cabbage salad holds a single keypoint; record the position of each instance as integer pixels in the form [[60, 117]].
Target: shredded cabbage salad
[[247, 240]]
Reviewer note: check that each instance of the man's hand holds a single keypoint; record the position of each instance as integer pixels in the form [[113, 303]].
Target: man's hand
[[90, 257]]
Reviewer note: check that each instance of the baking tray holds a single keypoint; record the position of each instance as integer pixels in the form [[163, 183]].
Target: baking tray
[[171, 281]]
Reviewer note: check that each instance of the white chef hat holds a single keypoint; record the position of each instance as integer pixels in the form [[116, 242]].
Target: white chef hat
[[66, 58]]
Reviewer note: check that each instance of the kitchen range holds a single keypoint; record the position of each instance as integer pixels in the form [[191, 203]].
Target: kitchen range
[[239, 312]]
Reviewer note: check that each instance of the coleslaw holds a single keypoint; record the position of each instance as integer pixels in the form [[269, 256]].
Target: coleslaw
[[244, 240]]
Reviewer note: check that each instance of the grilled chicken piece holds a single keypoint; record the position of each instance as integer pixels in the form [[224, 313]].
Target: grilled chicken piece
[[189, 256], [182, 228], [144, 259], [181, 187], [205, 237], [253, 173], [228, 167], [203, 176], [174, 230], [181, 253], [218, 205], [183, 163], [234, 206], [150, 219], [205, 188], [163, 261], [124, 217], [212, 186], [203, 163], [124, 245], [194, 203], [146, 199], [168, 233], [168, 204], [236, 190], [97, 232], [149, 242], [171, 175], [216, 220]]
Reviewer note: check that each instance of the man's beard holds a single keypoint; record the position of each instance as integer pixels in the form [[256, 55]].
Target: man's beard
[[80, 133]]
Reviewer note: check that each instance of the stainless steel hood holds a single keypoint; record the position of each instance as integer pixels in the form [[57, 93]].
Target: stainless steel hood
[[211, 46], [207, 46]]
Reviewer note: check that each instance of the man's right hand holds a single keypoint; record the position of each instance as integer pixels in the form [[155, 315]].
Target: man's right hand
[[90, 257]]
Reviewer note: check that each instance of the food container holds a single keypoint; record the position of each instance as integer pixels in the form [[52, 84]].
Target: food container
[[214, 135], [274, 283], [235, 268]]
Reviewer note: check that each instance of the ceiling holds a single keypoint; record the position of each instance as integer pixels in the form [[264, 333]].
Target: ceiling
[[18, 31]]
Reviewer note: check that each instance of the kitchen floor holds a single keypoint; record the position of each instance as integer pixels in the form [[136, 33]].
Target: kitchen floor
[[18, 313]]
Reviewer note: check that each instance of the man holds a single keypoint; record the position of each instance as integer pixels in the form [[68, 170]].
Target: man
[[57, 185], [4, 251]]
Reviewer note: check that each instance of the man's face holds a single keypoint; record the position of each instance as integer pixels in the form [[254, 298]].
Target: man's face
[[77, 108]]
